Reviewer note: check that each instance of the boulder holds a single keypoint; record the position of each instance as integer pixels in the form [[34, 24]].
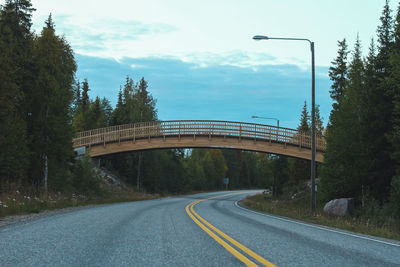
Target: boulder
[[341, 207]]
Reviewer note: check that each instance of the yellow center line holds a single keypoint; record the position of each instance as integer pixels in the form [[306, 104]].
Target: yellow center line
[[190, 211], [233, 251]]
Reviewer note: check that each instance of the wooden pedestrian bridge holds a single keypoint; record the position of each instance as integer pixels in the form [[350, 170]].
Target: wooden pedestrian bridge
[[199, 134]]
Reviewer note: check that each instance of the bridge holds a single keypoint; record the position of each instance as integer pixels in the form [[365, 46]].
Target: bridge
[[199, 134]]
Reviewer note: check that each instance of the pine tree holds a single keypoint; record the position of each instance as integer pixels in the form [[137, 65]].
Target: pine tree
[[85, 100], [300, 169], [145, 102], [394, 137], [319, 124], [52, 101], [338, 73], [117, 112], [280, 174], [385, 39], [107, 109], [394, 80], [16, 75], [97, 117], [379, 124], [77, 98], [341, 172]]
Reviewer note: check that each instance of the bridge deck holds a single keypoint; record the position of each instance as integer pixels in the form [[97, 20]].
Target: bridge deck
[[197, 130]]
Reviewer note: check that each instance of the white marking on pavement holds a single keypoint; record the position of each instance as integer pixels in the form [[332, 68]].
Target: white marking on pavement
[[318, 227]]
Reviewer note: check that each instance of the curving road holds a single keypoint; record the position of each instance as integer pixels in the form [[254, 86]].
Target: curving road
[[198, 230]]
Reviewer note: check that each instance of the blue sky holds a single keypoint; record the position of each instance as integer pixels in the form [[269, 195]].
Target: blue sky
[[199, 58]]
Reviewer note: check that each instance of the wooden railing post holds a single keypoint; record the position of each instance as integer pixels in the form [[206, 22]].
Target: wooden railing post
[[255, 133], [240, 131], [209, 131]]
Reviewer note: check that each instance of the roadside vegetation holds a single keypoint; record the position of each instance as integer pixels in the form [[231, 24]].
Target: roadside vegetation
[[369, 220], [95, 187]]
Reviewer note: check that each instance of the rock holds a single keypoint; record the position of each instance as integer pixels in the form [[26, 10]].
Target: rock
[[341, 207]]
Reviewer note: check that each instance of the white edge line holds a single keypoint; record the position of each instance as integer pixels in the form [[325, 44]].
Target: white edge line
[[321, 228]]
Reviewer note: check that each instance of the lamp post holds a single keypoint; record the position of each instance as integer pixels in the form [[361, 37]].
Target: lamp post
[[313, 195], [258, 117]]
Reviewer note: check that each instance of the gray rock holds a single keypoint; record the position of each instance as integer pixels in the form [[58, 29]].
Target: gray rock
[[341, 207]]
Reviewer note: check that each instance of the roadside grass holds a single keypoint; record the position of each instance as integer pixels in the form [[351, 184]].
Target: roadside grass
[[18, 203], [299, 209]]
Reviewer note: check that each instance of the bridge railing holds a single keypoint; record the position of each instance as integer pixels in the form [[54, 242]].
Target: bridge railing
[[258, 132]]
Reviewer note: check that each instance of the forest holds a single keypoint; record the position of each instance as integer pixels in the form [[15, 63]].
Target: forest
[[43, 105], [362, 158]]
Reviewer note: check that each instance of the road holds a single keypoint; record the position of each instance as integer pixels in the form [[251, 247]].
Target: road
[[208, 229]]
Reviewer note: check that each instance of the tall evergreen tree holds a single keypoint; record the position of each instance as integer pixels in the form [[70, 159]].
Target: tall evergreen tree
[[341, 171], [97, 116], [145, 101], [381, 109], [304, 120], [52, 131], [385, 39], [16, 75], [319, 124], [280, 174], [85, 100], [338, 73], [77, 98], [394, 136], [394, 80], [300, 169]]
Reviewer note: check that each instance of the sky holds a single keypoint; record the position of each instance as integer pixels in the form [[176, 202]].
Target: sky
[[199, 57]]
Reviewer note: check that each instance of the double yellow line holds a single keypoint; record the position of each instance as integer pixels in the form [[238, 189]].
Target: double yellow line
[[214, 232]]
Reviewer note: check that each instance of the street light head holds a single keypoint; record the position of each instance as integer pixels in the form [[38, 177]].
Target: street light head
[[254, 117], [260, 37]]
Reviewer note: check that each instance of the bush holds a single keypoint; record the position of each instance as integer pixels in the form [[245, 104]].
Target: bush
[[85, 179], [395, 195]]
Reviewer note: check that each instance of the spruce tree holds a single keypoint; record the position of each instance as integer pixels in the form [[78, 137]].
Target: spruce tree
[[394, 80], [117, 112], [394, 137], [319, 124], [381, 110], [85, 100], [304, 126], [300, 169], [97, 116], [340, 172], [16, 76], [52, 100], [338, 73]]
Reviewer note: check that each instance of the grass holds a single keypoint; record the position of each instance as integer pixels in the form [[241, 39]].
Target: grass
[[16, 203], [300, 210]]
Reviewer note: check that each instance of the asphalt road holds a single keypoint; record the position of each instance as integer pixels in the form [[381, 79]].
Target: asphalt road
[[185, 231]]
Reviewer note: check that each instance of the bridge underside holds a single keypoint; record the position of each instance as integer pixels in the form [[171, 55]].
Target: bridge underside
[[203, 142]]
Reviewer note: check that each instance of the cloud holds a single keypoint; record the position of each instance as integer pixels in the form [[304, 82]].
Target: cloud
[[98, 37], [117, 39], [184, 91], [234, 58]]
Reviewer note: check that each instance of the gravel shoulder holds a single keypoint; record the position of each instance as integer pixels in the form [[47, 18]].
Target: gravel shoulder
[[33, 216]]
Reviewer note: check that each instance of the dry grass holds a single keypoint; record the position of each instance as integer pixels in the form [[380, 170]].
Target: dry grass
[[300, 210], [16, 202]]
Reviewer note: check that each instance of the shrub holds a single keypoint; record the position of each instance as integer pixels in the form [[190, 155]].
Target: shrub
[[86, 180], [395, 195]]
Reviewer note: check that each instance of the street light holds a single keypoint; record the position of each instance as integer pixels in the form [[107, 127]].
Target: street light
[[261, 37], [258, 117]]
